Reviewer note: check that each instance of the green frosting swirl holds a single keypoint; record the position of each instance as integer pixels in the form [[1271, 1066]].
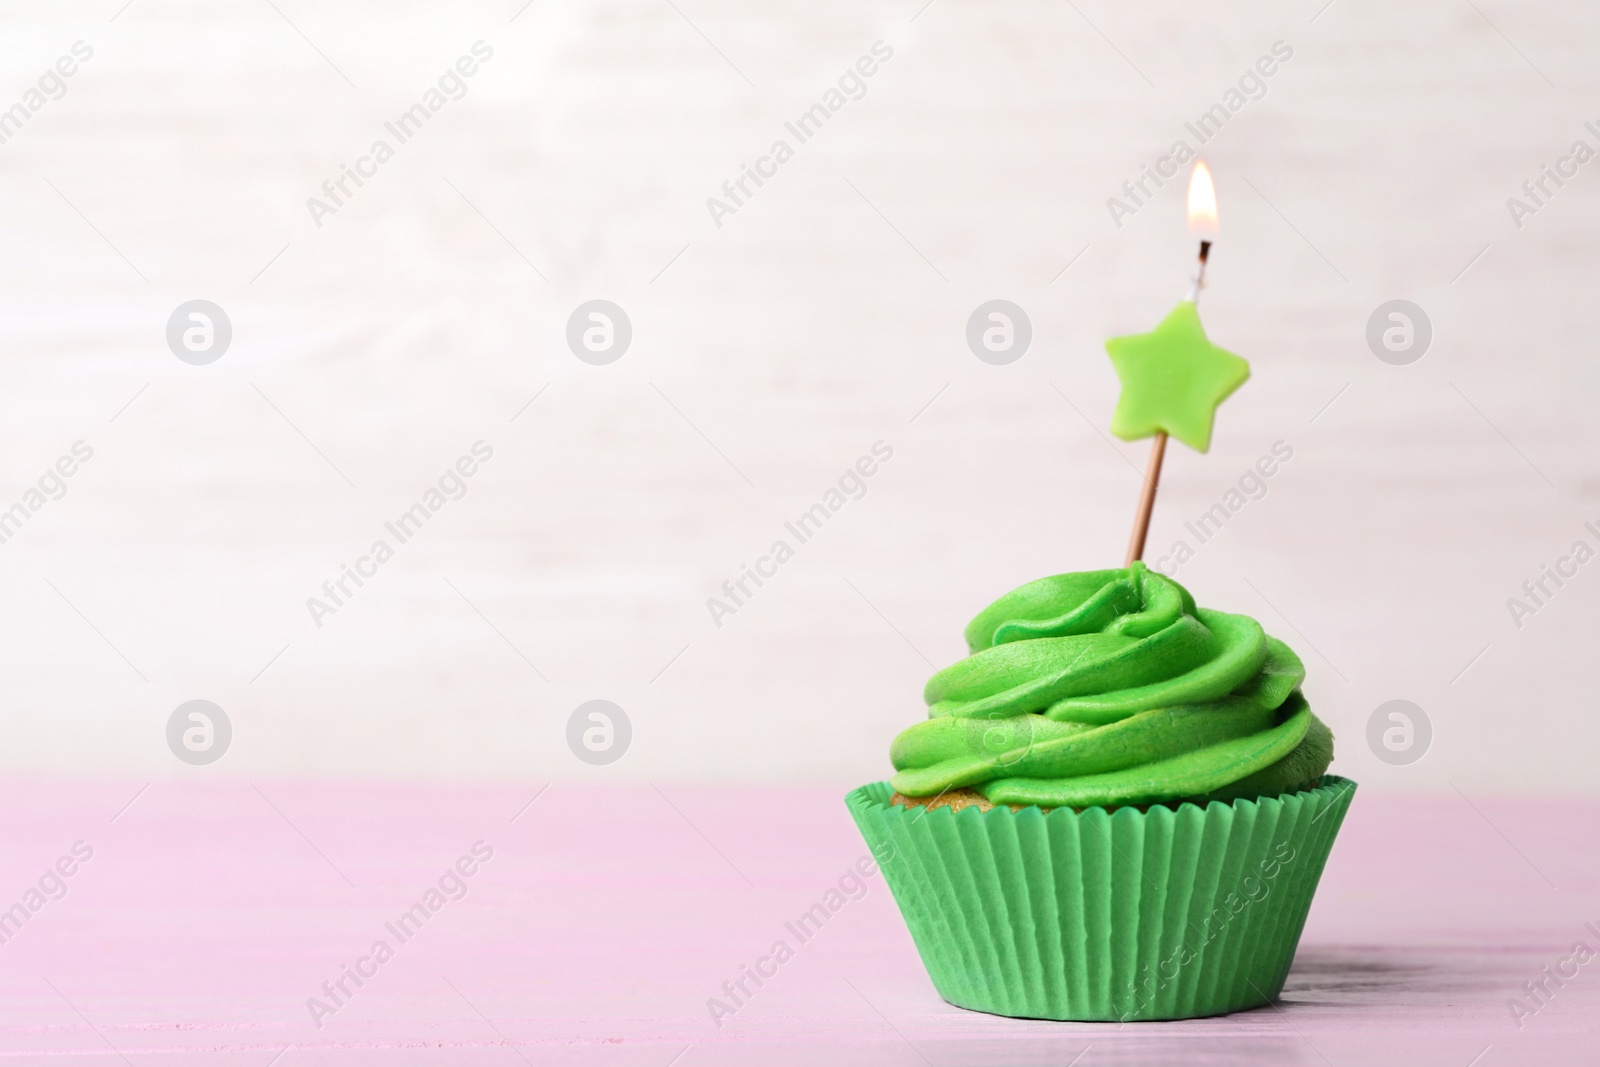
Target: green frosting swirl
[[1112, 687]]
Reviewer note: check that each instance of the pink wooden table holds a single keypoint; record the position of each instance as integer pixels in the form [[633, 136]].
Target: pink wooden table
[[208, 915]]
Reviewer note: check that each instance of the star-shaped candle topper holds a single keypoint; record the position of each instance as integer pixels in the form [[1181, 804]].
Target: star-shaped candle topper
[[1173, 379]]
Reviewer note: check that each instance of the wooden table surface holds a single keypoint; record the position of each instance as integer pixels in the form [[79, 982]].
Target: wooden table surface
[[206, 916]]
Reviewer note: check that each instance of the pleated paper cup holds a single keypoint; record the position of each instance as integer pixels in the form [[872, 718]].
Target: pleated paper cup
[[1168, 913]]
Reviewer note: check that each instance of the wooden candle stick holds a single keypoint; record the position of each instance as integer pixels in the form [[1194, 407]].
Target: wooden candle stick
[[1147, 498]]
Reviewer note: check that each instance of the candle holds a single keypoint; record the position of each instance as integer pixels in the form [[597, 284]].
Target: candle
[[1173, 378], [1202, 220]]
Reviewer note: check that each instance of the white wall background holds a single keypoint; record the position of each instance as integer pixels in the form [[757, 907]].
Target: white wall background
[[805, 328]]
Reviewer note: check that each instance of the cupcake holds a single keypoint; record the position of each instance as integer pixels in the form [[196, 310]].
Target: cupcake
[[1117, 808]]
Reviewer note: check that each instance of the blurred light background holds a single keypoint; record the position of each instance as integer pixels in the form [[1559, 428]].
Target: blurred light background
[[375, 345]]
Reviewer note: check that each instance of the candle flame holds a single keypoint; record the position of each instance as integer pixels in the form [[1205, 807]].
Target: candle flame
[[1202, 201]]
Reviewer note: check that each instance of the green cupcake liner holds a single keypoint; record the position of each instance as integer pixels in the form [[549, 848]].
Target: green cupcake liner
[[1169, 913]]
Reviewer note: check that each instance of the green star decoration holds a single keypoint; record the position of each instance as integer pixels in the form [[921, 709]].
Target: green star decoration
[[1173, 378]]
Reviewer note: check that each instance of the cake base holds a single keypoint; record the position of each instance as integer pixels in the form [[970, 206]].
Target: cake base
[[954, 799], [1173, 912]]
